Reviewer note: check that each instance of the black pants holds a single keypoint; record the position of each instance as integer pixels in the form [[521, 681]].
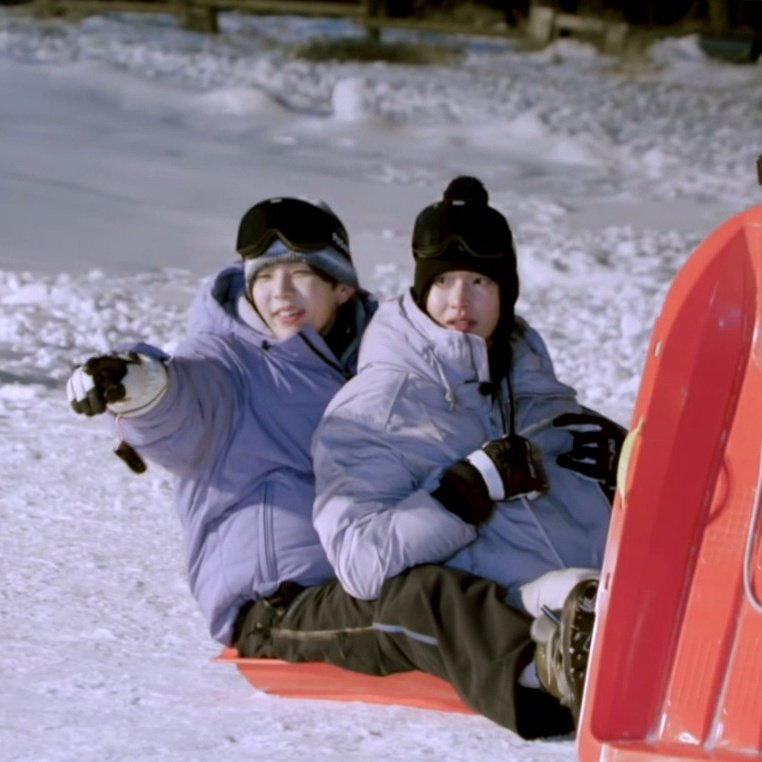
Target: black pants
[[434, 619]]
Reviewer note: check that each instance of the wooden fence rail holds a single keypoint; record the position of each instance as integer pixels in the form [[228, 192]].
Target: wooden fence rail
[[542, 26]]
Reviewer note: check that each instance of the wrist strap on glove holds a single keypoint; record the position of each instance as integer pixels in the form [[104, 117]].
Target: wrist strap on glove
[[509, 468], [144, 385], [489, 473]]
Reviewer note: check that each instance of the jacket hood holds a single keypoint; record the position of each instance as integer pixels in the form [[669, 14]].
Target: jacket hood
[[403, 336], [216, 308]]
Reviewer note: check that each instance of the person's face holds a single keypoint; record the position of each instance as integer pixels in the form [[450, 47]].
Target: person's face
[[291, 296], [465, 301]]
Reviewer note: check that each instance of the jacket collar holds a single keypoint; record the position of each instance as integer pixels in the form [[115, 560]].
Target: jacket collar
[[221, 308], [404, 336]]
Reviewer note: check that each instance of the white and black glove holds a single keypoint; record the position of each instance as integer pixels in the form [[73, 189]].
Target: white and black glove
[[502, 469], [127, 384], [595, 450]]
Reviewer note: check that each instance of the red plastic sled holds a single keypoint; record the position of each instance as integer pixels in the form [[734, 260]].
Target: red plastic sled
[[676, 667], [316, 680]]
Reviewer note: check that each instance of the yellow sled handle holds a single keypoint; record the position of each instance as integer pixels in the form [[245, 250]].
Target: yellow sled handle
[[625, 456]]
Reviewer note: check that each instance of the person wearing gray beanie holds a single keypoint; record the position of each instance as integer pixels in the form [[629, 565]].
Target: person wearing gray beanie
[[278, 236], [291, 230]]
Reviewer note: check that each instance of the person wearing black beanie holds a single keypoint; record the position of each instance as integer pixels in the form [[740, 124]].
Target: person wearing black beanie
[[463, 233], [457, 444]]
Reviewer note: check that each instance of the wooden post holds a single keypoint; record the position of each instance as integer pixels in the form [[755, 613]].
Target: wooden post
[[373, 10], [614, 36], [199, 18], [541, 23], [719, 16]]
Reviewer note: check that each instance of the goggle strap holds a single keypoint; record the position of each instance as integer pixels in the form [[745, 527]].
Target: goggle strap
[[260, 247], [436, 251]]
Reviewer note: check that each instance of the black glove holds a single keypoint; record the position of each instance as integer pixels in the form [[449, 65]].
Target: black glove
[[502, 469], [595, 451], [99, 381]]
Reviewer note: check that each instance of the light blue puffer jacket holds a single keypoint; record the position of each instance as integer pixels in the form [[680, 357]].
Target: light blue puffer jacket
[[234, 428], [414, 409]]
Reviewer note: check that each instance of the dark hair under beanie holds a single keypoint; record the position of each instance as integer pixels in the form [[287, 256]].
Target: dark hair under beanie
[[462, 232]]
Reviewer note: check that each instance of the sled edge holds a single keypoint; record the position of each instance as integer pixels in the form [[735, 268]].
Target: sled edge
[[325, 682]]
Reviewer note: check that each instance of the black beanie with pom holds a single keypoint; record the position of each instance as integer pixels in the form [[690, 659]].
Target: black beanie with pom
[[462, 232]]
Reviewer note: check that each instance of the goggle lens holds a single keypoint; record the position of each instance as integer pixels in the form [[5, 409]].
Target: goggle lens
[[481, 230], [301, 226]]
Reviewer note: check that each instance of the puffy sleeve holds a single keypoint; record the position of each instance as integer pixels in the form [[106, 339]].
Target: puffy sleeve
[[193, 419], [373, 511]]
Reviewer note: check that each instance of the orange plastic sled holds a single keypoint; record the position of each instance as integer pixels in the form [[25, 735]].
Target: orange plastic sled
[[316, 680], [676, 667]]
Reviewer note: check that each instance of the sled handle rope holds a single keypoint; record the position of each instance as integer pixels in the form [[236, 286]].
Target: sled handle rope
[[748, 559]]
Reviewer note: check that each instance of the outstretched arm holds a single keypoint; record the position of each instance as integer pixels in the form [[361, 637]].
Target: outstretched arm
[[171, 412]]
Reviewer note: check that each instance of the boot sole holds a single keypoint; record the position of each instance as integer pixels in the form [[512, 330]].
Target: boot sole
[[577, 621]]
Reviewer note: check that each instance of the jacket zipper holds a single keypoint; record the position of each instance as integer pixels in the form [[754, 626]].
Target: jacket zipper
[[345, 374]]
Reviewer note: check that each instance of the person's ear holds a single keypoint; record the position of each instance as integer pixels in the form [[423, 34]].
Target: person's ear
[[344, 292]]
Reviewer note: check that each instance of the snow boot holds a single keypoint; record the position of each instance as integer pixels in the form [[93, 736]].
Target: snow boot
[[551, 589], [562, 648]]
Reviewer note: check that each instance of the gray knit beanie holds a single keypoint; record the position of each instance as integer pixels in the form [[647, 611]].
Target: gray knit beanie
[[334, 259]]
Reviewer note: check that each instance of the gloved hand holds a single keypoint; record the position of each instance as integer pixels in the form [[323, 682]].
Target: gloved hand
[[502, 469], [123, 383], [595, 450]]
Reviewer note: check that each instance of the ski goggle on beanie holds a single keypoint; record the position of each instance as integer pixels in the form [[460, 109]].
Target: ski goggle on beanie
[[285, 230], [481, 230], [464, 235]]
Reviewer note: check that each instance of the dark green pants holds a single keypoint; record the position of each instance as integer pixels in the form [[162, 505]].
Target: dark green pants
[[434, 619]]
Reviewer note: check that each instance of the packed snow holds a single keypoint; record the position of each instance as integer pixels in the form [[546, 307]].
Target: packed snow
[[130, 149]]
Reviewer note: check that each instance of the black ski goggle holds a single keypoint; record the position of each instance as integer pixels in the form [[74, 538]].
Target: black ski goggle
[[481, 230], [298, 224]]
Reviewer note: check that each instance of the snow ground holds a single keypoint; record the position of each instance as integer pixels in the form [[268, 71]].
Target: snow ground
[[129, 151]]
